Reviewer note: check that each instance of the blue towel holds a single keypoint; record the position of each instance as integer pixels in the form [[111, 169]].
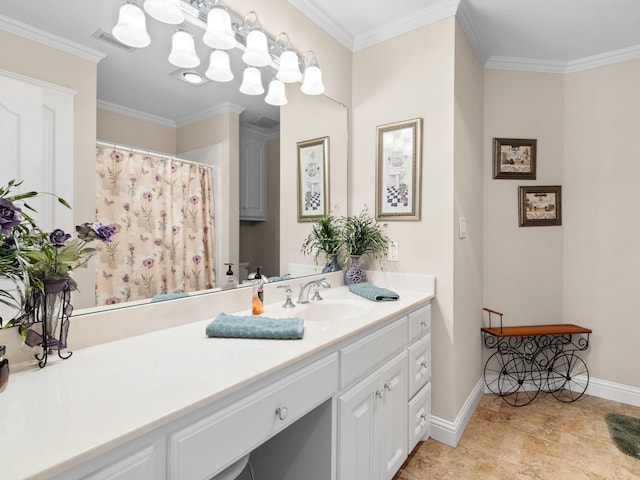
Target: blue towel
[[161, 297], [371, 292], [232, 326], [279, 279]]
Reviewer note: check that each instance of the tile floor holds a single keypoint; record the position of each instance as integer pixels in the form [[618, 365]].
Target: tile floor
[[544, 440]]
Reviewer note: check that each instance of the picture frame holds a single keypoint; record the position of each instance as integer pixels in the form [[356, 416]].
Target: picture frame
[[514, 158], [540, 206], [398, 170], [313, 178]]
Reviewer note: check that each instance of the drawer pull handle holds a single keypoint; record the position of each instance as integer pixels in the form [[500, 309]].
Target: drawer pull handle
[[388, 386], [282, 412], [424, 365], [379, 393], [423, 419], [424, 323]]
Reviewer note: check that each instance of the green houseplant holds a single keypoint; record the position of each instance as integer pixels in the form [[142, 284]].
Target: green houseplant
[[362, 235], [324, 239]]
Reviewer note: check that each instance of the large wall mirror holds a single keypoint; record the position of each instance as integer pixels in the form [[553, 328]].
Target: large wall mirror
[[141, 104]]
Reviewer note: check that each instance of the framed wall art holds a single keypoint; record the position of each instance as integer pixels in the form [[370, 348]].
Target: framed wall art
[[313, 178], [399, 158], [514, 158], [540, 206]]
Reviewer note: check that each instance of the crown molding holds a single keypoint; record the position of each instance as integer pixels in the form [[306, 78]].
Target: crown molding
[[602, 59], [50, 40], [130, 112], [466, 22], [226, 107], [426, 16], [329, 24]]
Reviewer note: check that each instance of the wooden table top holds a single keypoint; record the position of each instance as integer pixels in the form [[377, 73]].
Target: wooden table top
[[533, 330]]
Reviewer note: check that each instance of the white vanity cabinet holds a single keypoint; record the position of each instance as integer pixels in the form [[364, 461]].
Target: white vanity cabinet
[[385, 381]]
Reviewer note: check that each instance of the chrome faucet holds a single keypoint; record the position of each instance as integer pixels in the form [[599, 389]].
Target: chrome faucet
[[304, 290]]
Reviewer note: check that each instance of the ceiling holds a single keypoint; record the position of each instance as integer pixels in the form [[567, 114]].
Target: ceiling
[[543, 35]]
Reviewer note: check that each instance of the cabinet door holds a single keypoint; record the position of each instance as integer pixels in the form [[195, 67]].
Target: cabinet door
[[393, 416], [253, 179], [358, 431], [141, 465]]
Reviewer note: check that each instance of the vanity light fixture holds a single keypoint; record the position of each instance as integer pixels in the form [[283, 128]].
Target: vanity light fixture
[[183, 50], [219, 67], [312, 83], [223, 30], [166, 11], [251, 82], [131, 28], [257, 52], [276, 93]]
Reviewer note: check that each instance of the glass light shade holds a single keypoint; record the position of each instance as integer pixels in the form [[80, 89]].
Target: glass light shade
[[219, 33], [219, 67], [312, 84], [192, 77], [251, 82], [166, 11], [257, 52], [289, 70], [183, 50], [276, 94], [131, 28]]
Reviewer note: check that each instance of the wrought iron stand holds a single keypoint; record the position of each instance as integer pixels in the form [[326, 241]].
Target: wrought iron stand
[[533, 358]]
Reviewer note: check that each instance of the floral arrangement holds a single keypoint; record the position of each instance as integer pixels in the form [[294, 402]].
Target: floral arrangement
[[41, 261]]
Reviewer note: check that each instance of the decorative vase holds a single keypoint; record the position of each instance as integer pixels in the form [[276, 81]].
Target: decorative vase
[[4, 369], [355, 274], [52, 310], [333, 265]]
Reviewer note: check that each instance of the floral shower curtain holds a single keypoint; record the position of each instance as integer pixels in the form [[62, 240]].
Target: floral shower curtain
[[162, 213]]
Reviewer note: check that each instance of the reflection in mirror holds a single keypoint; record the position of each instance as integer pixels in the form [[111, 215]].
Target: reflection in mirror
[[169, 125]]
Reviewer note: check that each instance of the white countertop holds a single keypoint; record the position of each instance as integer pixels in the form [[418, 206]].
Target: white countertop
[[57, 417]]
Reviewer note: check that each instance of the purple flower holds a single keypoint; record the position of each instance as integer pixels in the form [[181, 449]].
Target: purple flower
[[193, 199], [112, 300], [157, 242], [175, 229], [148, 262], [125, 278], [103, 232], [58, 238], [10, 216], [126, 206], [117, 156], [147, 196], [196, 259]]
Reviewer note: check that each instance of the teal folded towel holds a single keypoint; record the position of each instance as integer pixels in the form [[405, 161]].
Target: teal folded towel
[[161, 297], [236, 326], [371, 292], [279, 279]]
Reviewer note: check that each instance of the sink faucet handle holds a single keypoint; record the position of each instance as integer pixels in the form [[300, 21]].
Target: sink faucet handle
[[316, 292], [288, 303]]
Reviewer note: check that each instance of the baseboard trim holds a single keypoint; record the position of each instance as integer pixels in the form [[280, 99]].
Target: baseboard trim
[[617, 392], [450, 433]]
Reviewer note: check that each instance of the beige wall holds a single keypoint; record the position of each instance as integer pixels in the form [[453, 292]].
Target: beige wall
[[397, 80], [523, 265], [467, 259], [601, 258], [134, 132]]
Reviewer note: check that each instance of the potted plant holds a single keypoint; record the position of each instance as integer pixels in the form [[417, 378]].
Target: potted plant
[[325, 239], [362, 235]]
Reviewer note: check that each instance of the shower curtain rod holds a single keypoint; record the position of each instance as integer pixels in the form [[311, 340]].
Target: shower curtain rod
[[149, 152]]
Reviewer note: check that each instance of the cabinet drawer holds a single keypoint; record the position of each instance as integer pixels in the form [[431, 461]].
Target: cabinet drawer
[[419, 364], [419, 322], [206, 447], [366, 354], [419, 416]]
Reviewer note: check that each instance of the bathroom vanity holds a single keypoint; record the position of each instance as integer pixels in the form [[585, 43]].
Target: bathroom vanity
[[348, 401]]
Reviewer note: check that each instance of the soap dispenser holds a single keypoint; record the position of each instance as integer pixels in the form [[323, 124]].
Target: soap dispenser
[[257, 299], [230, 281]]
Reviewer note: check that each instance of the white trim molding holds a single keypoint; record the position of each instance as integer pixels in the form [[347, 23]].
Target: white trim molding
[[617, 392], [450, 433]]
